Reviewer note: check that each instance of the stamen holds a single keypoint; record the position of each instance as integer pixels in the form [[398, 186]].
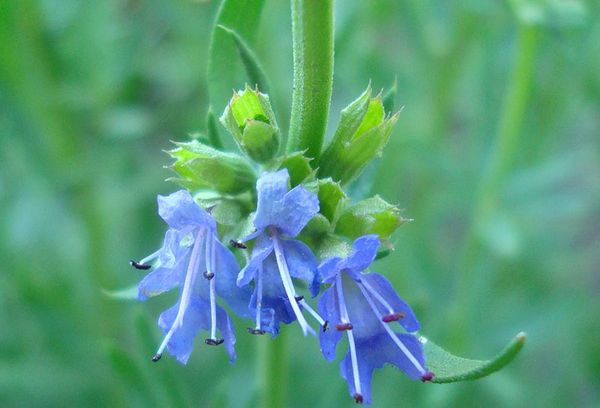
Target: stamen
[[393, 317], [150, 257], [389, 331], [358, 398], [259, 294], [325, 326], [139, 265], [214, 342], [299, 298], [237, 244], [344, 326], [186, 292], [351, 343], [312, 311], [379, 298], [286, 280], [255, 331], [210, 274], [428, 376]]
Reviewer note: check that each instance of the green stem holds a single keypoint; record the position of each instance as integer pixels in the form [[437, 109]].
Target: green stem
[[312, 32], [272, 368], [501, 160]]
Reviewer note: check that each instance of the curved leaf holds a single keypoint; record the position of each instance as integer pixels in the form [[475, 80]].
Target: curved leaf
[[254, 70], [224, 66], [449, 368]]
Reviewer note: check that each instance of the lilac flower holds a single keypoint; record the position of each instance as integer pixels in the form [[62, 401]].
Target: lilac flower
[[363, 305], [280, 215], [193, 258]]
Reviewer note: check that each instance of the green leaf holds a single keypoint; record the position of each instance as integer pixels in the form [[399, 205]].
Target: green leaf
[[371, 216], [129, 293], [254, 70], [214, 138], [225, 69], [331, 199], [449, 368], [298, 166], [202, 167], [389, 99], [312, 31]]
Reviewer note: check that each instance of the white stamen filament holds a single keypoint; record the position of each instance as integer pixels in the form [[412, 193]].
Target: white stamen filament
[[378, 297], [150, 257], [186, 292], [210, 271], [259, 290], [391, 333], [286, 280], [345, 319], [312, 312]]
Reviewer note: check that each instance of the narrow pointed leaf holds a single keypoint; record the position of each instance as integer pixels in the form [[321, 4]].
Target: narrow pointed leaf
[[449, 368], [389, 98], [214, 138], [254, 70], [129, 293]]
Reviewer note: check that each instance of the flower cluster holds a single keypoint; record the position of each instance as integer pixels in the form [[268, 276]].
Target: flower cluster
[[379, 326]]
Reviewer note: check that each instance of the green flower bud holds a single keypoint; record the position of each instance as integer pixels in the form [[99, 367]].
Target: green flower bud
[[371, 216], [250, 120], [362, 133], [202, 167]]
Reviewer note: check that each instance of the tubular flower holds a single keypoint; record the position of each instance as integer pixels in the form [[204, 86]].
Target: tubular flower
[[365, 305], [276, 258], [193, 259]]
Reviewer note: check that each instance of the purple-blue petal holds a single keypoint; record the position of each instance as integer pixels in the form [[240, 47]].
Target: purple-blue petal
[[329, 310], [196, 318], [274, 295], [270, 188], [181, 212], [299, 207], [387, 292], [329, 268], [226, 271], [376, 352], [263, 246], [365, 251], [301, 263]]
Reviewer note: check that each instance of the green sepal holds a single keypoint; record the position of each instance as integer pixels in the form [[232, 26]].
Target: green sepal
[[315, 230], [333, 245], [202, 167], [225, 210], [362, 133], [298, 166], [371, 216], [251, 121], [449, 368]]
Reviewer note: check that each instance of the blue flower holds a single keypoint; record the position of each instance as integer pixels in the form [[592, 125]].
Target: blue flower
[[363, 305], [193, 259], [276, 258]]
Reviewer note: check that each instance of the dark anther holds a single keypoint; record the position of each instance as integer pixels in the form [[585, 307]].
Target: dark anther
[[138, 265], [209, 275], [428, 376], [325, 326], [343, 326], [358, 398], [237, 244], [254, 331], [299, 298], [393, 317], [156, 357], [214, 342]]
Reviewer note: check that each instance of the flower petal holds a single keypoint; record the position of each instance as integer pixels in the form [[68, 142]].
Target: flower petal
[[365, 251], [329, 310], [299, 207], [270, 187], [329, 268], [302, 263], [263, 246], [377, 351], [180, 212], [387, 292], [225, 274], [197, 317], [274, 295]]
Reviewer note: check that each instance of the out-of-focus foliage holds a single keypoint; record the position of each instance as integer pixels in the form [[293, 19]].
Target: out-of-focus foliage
[[91, 92]]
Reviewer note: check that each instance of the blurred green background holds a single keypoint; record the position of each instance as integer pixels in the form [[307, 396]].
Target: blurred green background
[[91, 92]]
